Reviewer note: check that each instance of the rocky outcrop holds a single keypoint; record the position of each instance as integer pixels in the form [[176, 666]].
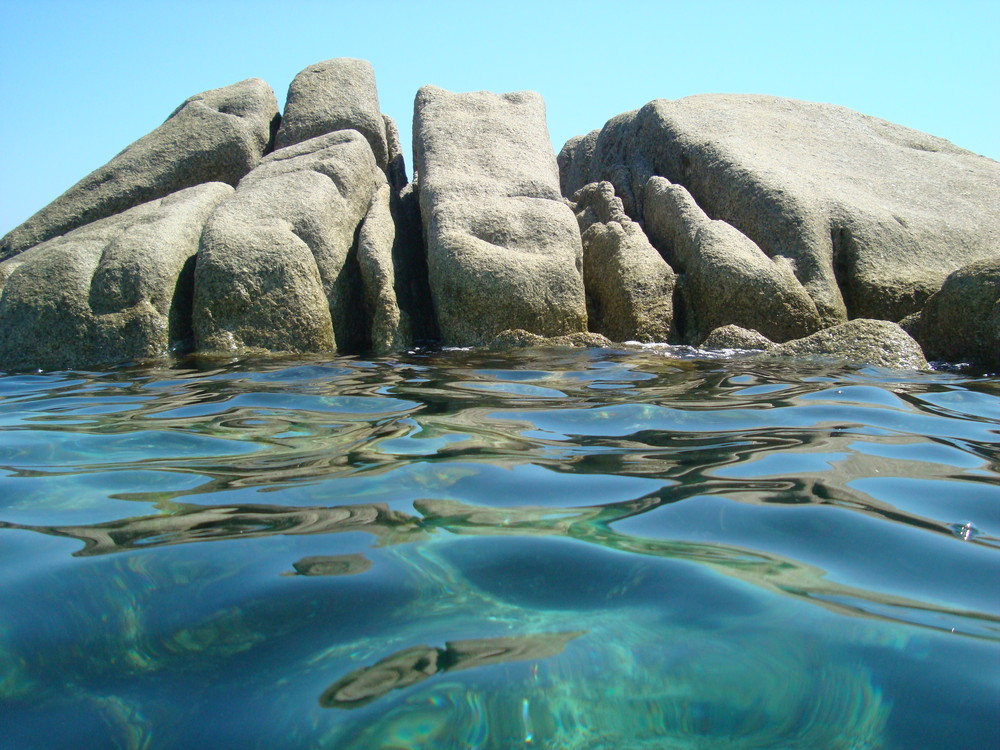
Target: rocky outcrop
[[880, 343], [503, 250], [629, 286], [518, 338], [871, 216], [116, 290], [734, 337], [962, 321], [218, 135], [721, 221], [337, 94], [277, 269], [727, 278]]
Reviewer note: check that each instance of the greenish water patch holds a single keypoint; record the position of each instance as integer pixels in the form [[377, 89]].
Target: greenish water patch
[[568, 550]]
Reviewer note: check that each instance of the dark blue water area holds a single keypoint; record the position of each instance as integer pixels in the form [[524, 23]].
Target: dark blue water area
[[565, 549]]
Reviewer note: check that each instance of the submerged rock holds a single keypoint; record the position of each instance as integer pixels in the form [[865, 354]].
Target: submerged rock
[[503, 249], [872, 216], [865, 342], [115, 290], [216, 136], [629, 286], [276, 271]]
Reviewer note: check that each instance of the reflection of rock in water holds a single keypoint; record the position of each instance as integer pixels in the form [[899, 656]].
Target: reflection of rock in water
[[416, 664], [331, 565], [660, 691]]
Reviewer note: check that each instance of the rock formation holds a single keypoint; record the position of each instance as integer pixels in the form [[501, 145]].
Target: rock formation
[[871, 216], [503, 250], [723, 221], [335, 95], [216, 136], [962, 320], [727, 278], [116, 290], [629, 286], [276, 271]]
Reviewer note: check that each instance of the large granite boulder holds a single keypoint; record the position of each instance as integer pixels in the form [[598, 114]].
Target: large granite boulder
[[277, 269], [503, 249], [727, 278], [218, 135], [115, 290], [628, 284], [334, 95], [962, 321], [871, 216], [879, 343]]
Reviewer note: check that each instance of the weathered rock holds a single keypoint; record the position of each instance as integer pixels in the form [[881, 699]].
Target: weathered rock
[[861, 341], [728, 279], [962, 320], [518, 338], [218, 135], [396, 171], [115, 290], [628, 284], [390, 328], [872, 216], [734, 337], [276, 271], [503, 250], [334, 95]]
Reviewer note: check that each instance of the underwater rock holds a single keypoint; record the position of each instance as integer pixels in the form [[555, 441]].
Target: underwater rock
[[331, 565], [416, 664], [503, 249], [215, 136]]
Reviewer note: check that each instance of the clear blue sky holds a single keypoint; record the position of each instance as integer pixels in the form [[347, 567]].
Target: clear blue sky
[[81, 80]]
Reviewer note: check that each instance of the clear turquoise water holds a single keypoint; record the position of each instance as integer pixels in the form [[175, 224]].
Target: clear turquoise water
[[575, 549]]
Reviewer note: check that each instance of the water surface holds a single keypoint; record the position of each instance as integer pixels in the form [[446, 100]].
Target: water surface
[[572, 549]]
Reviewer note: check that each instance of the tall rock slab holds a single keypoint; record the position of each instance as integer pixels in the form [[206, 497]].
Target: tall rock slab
[[503, 249], [115, 290], [216, 136], [872, 216], [277, 269], [333, 95], [629, 285]]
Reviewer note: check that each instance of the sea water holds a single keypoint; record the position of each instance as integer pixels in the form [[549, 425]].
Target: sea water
[[573, 549]]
